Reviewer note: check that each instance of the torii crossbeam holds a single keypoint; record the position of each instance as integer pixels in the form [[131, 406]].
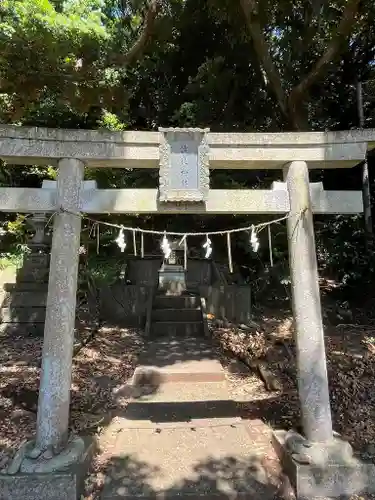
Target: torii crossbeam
[[185, 157]]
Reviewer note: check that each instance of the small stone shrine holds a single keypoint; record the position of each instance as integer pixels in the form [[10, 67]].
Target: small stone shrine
[[172, 275]]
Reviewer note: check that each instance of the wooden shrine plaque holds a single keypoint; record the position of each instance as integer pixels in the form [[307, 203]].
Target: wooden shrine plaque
[[184, 165]]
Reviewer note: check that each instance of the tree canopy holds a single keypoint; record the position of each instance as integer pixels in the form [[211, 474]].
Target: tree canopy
[[226, 63], [230, 65]]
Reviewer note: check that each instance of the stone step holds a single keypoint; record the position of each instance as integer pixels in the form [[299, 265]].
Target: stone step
[[172, 405], [185, 372], [142, 414], [25, 298], [32, 274], [21, 329], [26, 286], [157, 416], [186, 463], [174, 391], [188, 315], [37, 260], [22, 314], [176, 302], [179, 328], [178, 391], [177, 359]]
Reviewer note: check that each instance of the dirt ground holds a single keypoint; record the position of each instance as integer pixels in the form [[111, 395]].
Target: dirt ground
[[98, 368], [350, 351], [109, 359]]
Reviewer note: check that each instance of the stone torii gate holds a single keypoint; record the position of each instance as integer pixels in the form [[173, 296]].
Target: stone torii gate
[[184, 157]]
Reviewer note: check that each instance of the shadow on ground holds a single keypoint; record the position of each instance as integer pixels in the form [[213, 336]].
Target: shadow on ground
[[219, 478], [166, 351], [101, 366]]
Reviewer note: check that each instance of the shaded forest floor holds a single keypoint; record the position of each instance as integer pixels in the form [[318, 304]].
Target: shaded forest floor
[[98, 368], [108, 360], [350, 353]]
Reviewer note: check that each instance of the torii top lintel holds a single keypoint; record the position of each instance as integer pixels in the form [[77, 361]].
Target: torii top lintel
[[134, 149]]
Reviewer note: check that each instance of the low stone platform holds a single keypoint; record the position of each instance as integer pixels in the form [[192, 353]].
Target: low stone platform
[[24, 296], [184, 439], [176, 405], [178, 359], [49, 479], [215, 461]]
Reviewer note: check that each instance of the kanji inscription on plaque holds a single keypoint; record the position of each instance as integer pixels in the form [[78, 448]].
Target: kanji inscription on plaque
[[184, 165]]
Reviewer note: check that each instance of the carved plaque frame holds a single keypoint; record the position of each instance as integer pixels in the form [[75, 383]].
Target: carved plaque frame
[[197, 138]]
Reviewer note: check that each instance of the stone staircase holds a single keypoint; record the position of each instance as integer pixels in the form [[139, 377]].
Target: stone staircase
[[181, 435], [23, 302], [179, 315]]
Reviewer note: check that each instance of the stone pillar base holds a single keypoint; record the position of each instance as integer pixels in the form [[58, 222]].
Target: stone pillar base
[[322, 470], [58, 478]]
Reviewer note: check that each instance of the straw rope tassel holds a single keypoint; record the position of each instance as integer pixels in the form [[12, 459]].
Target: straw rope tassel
[[134, 243], [270, 245], [142, 246], [185, 253], [230, 262], [97, 239]]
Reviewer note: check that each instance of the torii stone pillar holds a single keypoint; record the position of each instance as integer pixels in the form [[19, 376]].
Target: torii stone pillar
[[311, 358], [55, 382], [319, 464]]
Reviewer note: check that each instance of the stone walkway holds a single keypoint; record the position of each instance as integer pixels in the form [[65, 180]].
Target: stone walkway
[[181, 435]]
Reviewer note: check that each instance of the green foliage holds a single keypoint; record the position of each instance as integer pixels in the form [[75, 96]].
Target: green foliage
[[103, 270], [342, 252], [14, 258], [63, 64], [16, 227], [60, 51], [110, 121]]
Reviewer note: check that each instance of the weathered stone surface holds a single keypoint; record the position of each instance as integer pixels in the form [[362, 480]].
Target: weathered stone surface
[[26, 286], [188, 315], [15, 465], [172, 279], [62, 485], [200, 462], [54, 393], [30, 145], [184, 165], [37, 260], [229, 302], [220, 201], [29, 315], [143, 272], [174, 359], [328, 470], [22, 329], [177, 328], [32, 274], [85, 185], [183, 302], [25, 299], [185, 440], [124, 305], [311, 358], [72, 454]]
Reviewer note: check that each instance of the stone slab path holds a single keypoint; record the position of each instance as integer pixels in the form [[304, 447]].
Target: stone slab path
[[181, 435]]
